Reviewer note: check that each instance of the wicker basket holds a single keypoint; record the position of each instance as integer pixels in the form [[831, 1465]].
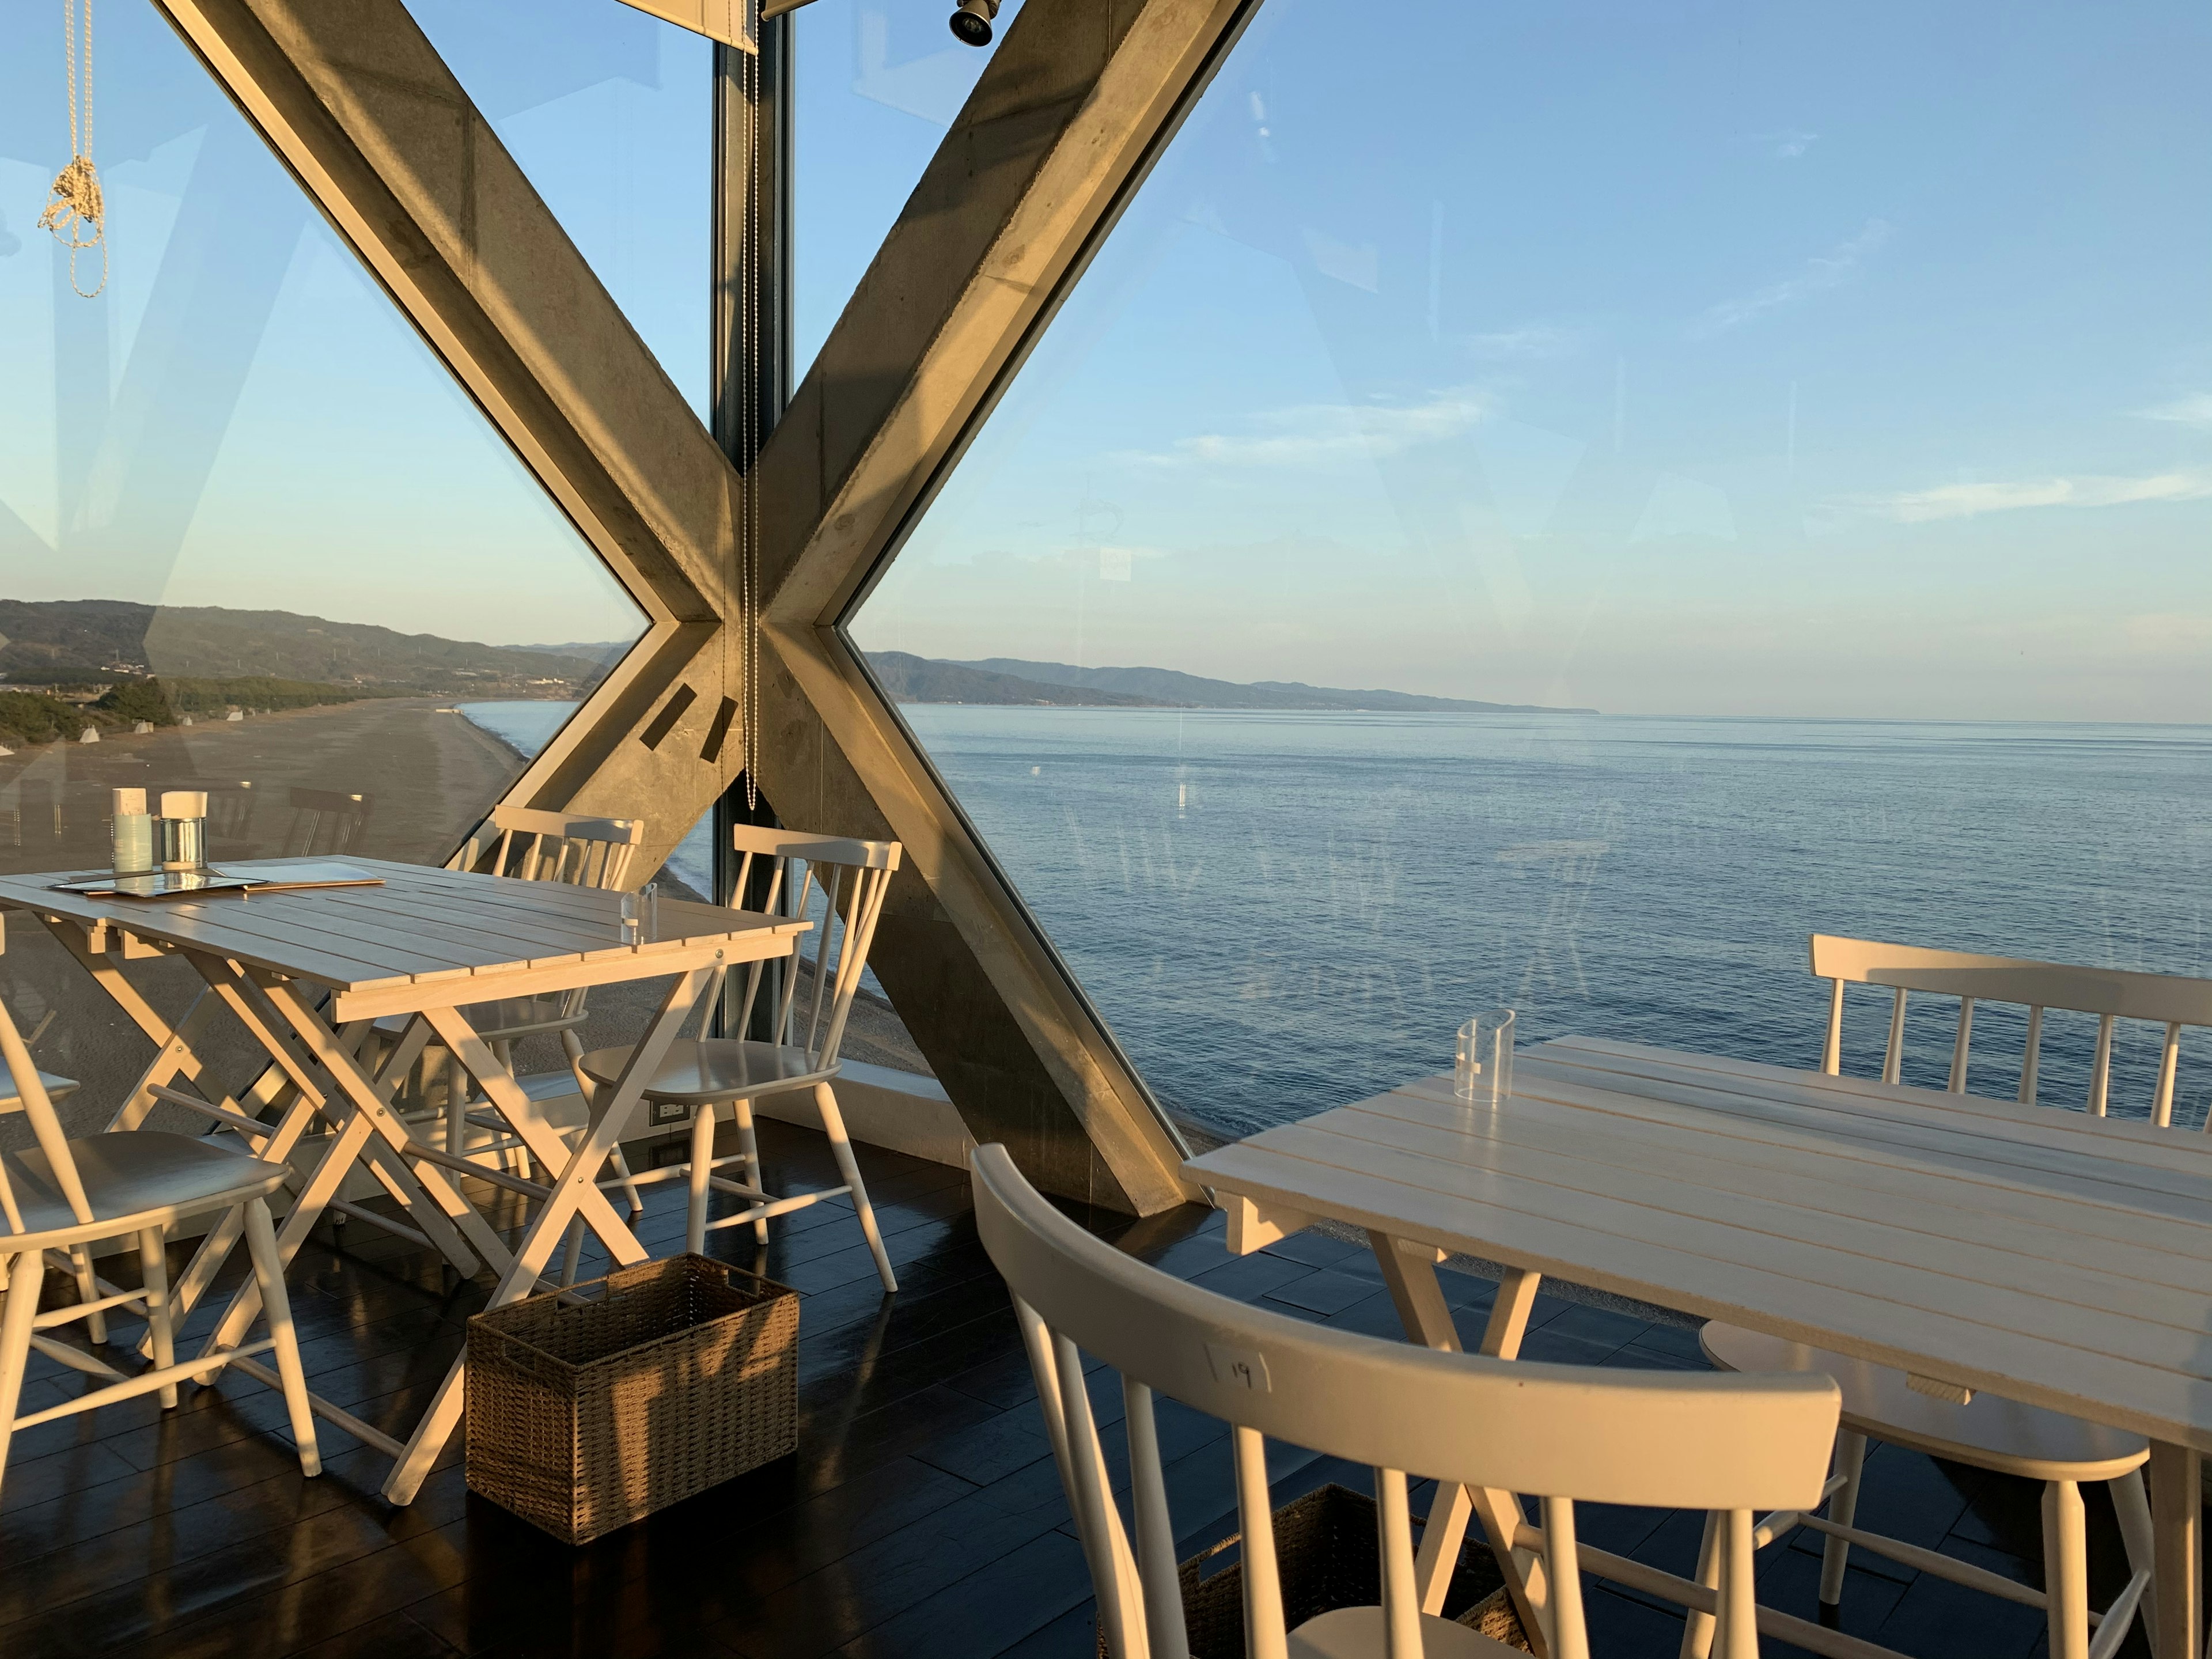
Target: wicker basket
[[1326, 1556], [670, 1377]]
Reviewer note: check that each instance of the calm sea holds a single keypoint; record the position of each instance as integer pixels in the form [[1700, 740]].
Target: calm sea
[[1278, 913]]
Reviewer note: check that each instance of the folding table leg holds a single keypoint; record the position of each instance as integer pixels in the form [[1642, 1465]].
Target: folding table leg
[[286, 1085], [174, 1054], [2175, 1499], [351, 1135], [478, 1059], [574, 1193], [448, 1214], [1409, 1270]]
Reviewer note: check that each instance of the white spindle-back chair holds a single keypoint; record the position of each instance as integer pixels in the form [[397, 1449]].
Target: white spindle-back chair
[[839, 884], [1988, 1432], [530, 845], [2111, 993], [68, 1195], [523, 844], [1729, 1445]]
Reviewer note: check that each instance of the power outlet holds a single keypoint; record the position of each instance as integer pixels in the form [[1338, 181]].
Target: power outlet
[[665, 1112]]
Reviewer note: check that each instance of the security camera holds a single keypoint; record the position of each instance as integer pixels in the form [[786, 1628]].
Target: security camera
[[971, 23]]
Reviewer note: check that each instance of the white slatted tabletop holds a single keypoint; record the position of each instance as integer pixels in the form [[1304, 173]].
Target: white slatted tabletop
[[416, 941], [2033, 1252]]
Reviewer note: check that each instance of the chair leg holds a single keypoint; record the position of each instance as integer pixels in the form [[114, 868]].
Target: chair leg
[[269, 1270], [2132, 1506], [88, 1289], [629, 1186], [504, 1050], [702, 1160], [27, 1277], [154, 1273], [1843, 1510], [833, 1124], [456, 1095], [749, 1146], [574, 1257], [1698, 1627], [2066, 1570]]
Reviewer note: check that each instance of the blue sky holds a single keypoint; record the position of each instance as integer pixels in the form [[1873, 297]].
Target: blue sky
[[1699, 358], [1712, 358]]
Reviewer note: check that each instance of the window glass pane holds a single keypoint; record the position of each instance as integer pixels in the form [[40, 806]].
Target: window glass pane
[[1801, 420], [611, 114], [254, 539], [877, 83]]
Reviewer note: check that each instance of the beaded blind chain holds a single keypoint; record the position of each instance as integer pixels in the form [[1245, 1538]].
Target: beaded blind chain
[[75, 212], [748, 595]]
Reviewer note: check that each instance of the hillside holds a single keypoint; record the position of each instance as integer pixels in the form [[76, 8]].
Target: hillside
[[918, 679], [81, 640], [1166, 685], [605, 651]]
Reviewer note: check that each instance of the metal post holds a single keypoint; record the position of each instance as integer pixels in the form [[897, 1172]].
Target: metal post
[[751, 370]]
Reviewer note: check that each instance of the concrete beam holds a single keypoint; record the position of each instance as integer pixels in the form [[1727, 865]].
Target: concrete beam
[[1080, 94], [1078, 99]]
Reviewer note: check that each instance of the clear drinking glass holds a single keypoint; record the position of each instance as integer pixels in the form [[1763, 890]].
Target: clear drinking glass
[[1485, 1071], [652, 910], [630, 910]]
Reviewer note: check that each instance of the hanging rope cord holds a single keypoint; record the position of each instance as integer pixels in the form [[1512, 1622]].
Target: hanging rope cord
[[75, 212]]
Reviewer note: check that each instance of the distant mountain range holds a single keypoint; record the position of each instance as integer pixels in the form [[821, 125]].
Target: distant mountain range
[[920, 679], [607, 653], [79, 640], [1016, 681]]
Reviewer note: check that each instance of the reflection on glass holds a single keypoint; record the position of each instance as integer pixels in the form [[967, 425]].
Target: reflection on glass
[[610, 113], [254, 544], [877, 83], [1552, 508]]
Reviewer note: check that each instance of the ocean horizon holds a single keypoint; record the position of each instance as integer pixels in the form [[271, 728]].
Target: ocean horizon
[[1277, 912]]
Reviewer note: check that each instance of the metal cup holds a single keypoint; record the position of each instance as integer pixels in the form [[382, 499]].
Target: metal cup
[[184, 843]]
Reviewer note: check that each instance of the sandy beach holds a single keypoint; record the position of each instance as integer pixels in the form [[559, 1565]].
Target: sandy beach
[[429, 778]]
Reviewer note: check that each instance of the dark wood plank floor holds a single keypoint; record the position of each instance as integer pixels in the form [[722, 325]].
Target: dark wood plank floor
[[922, 1516]]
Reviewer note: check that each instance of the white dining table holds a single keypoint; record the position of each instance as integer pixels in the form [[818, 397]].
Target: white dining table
[[309, 973], [2039, 1254]]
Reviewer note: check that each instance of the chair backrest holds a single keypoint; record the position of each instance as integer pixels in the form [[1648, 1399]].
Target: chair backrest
[[2111, 993], [1723, 1443], [564, 847], [325, 820], [29, 1097], [838, 885]]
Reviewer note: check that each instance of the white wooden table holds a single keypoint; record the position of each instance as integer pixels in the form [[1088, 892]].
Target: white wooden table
[[309, 973], [2037, 1252]]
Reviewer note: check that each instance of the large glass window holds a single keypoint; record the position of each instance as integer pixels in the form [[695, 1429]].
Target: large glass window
[[877, 84], [254, 539], [611, 114], [1550, 507]]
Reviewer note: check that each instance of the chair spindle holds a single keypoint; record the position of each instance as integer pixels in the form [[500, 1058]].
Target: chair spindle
[[1893, 1059], [1265, 1637], [1832, 1052], [1958, 1085], [1563, 1568], [2100, 1073], [2031, 1057], [2161, 1108], [1156, 1547]]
